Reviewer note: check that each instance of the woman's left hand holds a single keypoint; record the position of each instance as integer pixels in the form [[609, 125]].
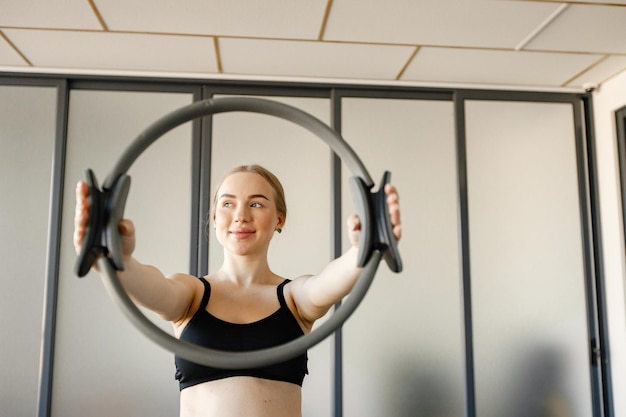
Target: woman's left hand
[[393, 203]]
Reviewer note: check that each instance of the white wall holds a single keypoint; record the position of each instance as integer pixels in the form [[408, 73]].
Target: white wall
[[609, 98]]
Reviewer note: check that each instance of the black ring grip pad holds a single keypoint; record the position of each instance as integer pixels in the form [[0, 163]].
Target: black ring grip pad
[[376, 229], [106, 210]]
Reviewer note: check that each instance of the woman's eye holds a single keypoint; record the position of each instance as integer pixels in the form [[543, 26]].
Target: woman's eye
[[255, 205], [227, 204]]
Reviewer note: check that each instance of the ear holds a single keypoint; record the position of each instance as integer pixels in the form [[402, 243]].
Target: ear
[[281, 221]]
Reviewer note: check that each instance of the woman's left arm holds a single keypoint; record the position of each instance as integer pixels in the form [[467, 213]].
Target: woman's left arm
[[314, 295]]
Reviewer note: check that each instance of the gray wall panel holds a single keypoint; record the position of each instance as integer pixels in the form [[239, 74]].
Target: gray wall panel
[[529, 306], [27, 129], [103, 365]]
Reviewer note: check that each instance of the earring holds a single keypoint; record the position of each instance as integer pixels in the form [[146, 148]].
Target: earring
[[279, 230]]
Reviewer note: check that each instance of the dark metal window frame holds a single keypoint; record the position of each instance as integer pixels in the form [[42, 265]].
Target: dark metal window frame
[[620, 130], [200, 88]]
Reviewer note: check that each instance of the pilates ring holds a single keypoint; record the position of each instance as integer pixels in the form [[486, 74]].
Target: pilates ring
[[102, 241]]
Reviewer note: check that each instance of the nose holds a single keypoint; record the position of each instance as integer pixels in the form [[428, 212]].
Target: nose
[[242, 214]]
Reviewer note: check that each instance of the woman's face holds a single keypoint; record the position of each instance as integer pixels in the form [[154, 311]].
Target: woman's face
[[245, 216]]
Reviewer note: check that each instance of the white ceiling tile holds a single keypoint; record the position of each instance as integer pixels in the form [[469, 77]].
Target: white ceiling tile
[[496, 67], [312, 59], [494, 24], [601, 72], [59, 14], [585, 28], [364, 39], [267, 18], [8, 56], [113, 51]]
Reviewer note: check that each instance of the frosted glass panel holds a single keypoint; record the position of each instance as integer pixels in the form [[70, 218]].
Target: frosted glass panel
[[528, 295], [404, 348], [103, 365], [27, 132], [302, 163]]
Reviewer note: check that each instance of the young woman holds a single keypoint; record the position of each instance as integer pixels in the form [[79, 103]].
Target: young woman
[[243, 305]]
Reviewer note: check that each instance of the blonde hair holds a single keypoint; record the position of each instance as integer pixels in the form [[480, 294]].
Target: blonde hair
[[272, 180]]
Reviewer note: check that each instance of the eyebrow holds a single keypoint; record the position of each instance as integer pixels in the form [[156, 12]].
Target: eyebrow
[[250, 197]]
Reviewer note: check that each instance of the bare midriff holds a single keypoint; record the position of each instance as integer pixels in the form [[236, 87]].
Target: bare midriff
[[241, 396]]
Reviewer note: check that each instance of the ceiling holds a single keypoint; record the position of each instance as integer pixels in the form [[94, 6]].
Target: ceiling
[[536, 44]]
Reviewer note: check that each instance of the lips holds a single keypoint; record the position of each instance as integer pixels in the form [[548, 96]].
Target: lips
[[241, 233]]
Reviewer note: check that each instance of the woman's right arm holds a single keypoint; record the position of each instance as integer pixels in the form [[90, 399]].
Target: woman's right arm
[[171, 298]]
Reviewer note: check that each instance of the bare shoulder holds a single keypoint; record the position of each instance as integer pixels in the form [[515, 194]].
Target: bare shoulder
[[299, 281], [297, 285], [191, 289], [296, 297], [187, 283]]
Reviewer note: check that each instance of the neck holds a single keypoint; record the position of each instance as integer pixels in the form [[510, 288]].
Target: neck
[[246, 270]]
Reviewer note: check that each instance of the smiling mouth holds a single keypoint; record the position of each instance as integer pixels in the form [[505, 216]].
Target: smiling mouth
[[241, 234]]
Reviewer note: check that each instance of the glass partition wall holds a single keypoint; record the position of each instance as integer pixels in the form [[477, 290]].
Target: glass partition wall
[[494, 313], [94, 341], [408, 331], [527, 260], [27, 143]]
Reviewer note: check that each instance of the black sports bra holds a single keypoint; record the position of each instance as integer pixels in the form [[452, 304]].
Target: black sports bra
[[209, 331]]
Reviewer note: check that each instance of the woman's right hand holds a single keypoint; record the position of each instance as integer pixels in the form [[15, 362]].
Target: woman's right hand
[[81, 217]]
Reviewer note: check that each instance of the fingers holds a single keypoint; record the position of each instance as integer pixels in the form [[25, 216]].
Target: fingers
[[393, 203], [127, 233], [81, 214], [126, 228], [354, 223]]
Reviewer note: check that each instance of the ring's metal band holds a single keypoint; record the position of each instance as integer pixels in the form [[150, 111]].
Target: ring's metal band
[[258, 358]]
